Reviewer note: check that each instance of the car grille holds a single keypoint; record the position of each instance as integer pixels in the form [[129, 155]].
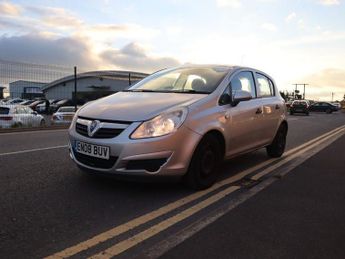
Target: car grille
[[94, 161], [101, 133]]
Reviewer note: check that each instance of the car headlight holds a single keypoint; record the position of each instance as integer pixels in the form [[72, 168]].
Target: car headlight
[[161, 125]]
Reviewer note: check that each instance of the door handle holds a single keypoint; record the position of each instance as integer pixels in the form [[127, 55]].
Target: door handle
[[258, 111], [277, 107]]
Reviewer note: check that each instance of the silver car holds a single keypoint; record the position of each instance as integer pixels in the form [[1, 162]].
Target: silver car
[[180, 122], [12, 116]]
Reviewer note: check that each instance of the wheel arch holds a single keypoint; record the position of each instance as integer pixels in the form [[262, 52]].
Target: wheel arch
[[284, 124], [220, 137]]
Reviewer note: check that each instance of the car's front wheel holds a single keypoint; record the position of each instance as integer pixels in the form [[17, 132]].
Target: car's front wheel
[[277, 147], [204, 166]]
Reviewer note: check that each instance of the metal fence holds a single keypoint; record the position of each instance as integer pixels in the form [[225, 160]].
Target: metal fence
[[37, 95]]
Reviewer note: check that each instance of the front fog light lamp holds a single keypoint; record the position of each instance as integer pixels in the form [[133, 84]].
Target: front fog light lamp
[[161, 125]]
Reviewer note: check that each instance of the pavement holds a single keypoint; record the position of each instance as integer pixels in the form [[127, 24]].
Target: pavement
[[47, 205]]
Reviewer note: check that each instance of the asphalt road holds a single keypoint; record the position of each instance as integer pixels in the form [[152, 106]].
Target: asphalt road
[[47, 205]]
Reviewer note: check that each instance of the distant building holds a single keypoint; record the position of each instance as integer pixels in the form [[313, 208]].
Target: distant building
[[26, 89], [91, 85]]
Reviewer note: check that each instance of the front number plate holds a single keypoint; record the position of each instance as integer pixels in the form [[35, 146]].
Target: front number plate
[[92, 150]]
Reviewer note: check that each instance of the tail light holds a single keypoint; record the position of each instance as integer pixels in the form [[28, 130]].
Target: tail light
[[6, 118]]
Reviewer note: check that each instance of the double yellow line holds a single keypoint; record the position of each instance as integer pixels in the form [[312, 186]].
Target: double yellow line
[[120, 247]]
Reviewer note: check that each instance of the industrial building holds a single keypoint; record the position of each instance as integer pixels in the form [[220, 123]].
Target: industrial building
[[26, 89], [91, 85]]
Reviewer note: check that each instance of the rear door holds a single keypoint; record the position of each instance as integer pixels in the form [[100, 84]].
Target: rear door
[[272, 107]]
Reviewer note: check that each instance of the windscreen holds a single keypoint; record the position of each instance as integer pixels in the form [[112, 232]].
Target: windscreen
[[183, 80]]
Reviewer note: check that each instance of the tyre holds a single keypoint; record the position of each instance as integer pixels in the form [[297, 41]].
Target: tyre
[[328, 111], [42, 123], [291, 112], [204, 166], [277, 147], [307, 113]]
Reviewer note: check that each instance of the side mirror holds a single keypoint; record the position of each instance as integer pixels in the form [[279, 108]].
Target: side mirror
[[240, 96], [225, 99], [34, 113]]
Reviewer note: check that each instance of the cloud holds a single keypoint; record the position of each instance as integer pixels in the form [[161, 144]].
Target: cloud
[[134, 57], [269, 27], [229, 3], [7, 8], [37, 48], [312, 39], [57, 18], [50, 35], [290, 17], [329, 2], [326, 81]]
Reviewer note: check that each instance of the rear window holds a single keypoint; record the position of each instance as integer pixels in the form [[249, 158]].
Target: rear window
[[4, 110]]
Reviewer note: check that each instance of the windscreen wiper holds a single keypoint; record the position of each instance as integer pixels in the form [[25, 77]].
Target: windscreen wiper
[[192, 92]]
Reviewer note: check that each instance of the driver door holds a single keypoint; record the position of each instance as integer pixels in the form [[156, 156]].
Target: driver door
[[243, 127]]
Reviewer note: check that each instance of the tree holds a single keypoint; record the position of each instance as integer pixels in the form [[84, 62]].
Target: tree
[[282, 94]]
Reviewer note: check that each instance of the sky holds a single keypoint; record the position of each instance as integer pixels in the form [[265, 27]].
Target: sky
[[295, 41]]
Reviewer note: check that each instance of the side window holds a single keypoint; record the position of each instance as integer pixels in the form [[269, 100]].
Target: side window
[[28, 110], [243, 81], [21, 110], [265, 86]]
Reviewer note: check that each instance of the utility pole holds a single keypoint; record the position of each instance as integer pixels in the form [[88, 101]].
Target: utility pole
[[75, 89], [296, 90], [332, 96]]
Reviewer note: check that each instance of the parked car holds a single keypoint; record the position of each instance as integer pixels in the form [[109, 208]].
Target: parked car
[[15, 101], [27, 102], [64, 115], [323, 107], [64, 102], [336, 104], [41, 108], [35, 103], [299, 106], [180, 122], [19, 116]]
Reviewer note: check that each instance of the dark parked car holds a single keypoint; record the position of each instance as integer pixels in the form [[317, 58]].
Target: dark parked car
[[35, 103], [323, 107], [65, 102], [299, 106]]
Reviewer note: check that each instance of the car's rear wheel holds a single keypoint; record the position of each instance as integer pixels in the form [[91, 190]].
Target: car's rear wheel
[[204, 166], [277, 148]]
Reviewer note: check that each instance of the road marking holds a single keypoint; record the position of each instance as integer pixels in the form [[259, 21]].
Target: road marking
[[293, 156], [31, 150], [156, 229], [176, 238], [102, 237]]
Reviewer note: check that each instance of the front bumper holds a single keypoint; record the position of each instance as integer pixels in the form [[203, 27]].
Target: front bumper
[[166, 156]]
